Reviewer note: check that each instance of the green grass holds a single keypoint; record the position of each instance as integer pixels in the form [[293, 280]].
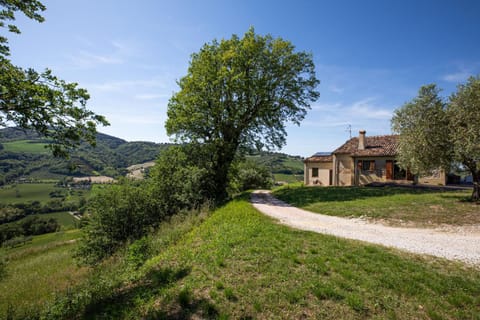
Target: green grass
[[36, 271], [26, 146], [65, 219], [289, 178], [395, 205], [25, 192], [239, 264]]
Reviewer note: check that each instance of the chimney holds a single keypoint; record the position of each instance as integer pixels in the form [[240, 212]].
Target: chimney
[[361, 140]]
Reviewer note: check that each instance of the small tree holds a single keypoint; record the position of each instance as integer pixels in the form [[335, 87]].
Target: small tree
[[435, 133], [240, 93]]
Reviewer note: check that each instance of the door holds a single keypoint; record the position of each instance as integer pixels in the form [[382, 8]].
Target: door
[[389, 169]]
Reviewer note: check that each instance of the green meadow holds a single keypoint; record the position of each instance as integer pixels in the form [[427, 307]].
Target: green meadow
[[235, 263], [394, 205]]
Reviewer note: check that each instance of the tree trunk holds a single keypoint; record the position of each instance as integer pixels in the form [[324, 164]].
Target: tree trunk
[[476, 186]]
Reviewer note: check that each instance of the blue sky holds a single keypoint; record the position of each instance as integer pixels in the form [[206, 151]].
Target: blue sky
[[370, 56]]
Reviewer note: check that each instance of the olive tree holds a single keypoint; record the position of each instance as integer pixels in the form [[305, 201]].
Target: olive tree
[[435, 133], [240, 93]]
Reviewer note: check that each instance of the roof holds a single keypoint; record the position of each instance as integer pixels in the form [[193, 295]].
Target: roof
[[375, 146], [319, 158]]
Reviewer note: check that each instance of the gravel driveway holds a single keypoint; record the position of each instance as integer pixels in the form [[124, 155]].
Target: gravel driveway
[[456, 244]]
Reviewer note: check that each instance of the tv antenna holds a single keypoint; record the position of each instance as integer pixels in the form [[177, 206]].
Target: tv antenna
[[349, 130]]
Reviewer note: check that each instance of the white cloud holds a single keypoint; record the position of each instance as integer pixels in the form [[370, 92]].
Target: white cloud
[[456, 76], [366, 109], [116, 53]]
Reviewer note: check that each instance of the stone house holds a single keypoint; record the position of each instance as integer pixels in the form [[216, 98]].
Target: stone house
[[363, 160]]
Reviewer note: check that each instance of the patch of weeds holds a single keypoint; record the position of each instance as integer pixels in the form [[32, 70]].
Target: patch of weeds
[[327, 292], [221, 263], [257, 306], [219, 285], [138, 252], [356, 303], [185, 297], [3, 269], [229, 294], [297, 260], [294, 296]]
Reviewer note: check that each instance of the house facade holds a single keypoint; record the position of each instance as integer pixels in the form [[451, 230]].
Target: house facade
[[363, 160]]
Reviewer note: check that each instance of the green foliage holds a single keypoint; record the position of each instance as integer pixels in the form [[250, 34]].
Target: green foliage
[[138, 252], [33, 225], [177, 181], [249, 174], [130, 210], [39, 100], [423, 129], [30, 8], [434, 133], [239, 93], [118, 214]]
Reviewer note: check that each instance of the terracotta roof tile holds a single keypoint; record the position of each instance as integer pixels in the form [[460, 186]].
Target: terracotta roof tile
[[319, 159], [375, 146]]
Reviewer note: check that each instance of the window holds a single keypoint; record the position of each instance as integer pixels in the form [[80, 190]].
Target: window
[[315, 172], [366, 165]]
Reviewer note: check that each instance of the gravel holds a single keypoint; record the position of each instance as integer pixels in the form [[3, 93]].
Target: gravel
[[457, 243]]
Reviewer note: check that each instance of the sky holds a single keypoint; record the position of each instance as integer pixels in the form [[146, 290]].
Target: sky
[[371, 57]]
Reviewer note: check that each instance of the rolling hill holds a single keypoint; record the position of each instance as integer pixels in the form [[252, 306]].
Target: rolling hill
[[23, 154]]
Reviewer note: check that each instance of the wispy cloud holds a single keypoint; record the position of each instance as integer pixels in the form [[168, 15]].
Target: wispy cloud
[[88, 59], [151, 96], [456, 76], [115, 53], [114, 86], [367, 109]]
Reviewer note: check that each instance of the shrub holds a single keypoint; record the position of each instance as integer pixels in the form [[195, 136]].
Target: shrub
[[118, 214], [248, 174]]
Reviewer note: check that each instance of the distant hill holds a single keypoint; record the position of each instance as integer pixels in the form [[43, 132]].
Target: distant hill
[[23, 154]]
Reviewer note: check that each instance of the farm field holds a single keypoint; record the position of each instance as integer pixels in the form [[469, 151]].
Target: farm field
[[393, 205], [25, 192]]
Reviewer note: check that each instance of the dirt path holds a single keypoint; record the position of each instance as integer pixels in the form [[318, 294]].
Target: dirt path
[[457, 244]]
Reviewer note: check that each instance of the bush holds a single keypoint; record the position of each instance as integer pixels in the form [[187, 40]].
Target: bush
[[128, 211], [118, 214], [248, 174]]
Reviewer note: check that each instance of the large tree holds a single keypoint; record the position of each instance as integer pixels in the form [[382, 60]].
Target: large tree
[[240, 93], [435, 133], [39, 100]]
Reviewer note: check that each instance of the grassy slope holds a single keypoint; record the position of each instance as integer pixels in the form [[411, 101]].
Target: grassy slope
[[37, 270], [240, 264], [421, 207], [26, 146]]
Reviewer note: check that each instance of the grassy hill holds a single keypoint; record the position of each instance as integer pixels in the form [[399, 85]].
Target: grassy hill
[[23, 154], [284, 167], [236, 263]]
